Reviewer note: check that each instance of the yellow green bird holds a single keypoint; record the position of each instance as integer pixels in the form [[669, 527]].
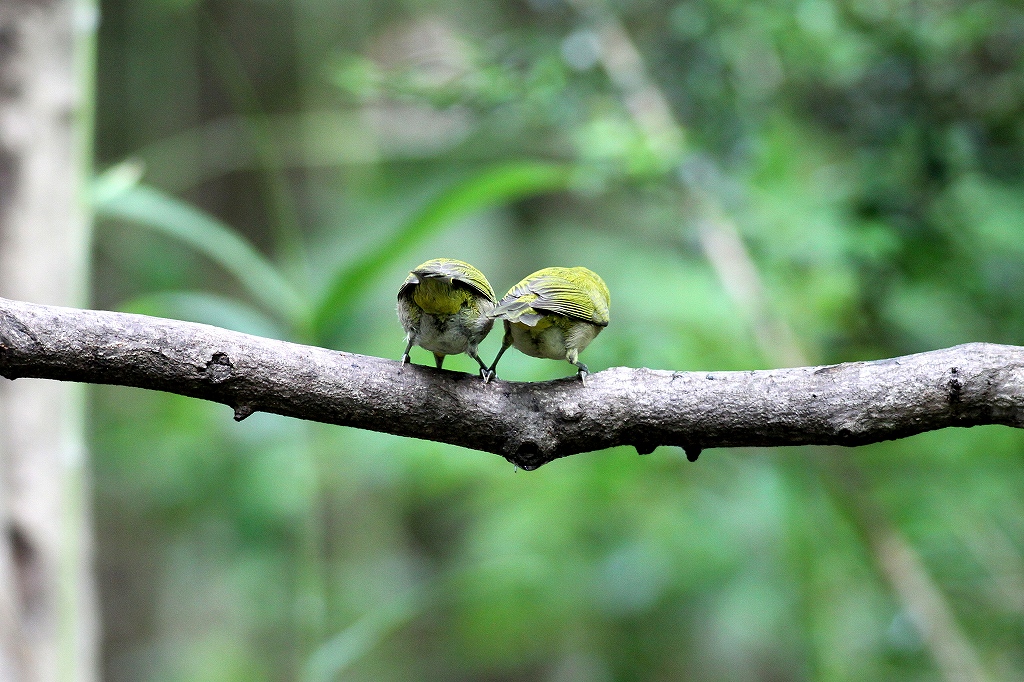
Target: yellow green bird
[[554, 313], [443, 306]]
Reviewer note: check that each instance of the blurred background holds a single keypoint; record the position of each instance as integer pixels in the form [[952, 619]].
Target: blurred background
[[760, 184]]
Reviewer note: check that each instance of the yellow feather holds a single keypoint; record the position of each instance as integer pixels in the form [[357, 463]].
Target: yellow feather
[[438, 297]]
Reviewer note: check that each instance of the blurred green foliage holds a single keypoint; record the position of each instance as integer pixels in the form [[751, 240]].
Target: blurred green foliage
[[276, 168]]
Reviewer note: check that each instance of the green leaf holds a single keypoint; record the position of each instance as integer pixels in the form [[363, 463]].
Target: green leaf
[[496, 185], [149, 207]]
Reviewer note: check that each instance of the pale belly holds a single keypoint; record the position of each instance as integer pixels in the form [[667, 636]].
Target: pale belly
[[442, 335], [450, 334], [552, 342], [546, 343]]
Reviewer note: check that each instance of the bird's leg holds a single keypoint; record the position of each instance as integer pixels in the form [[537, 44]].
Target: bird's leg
[[438, 359], [485, 373], [573, 357], [506, 341], [490, 370], [408, 347]]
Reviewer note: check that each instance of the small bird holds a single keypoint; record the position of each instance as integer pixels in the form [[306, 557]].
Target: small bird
[[554, 313], [443, 306]]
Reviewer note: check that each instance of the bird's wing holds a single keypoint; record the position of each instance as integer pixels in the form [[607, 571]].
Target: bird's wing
[[576, 298], [454, 271], [551, 290], [406, 289], [516, 304]]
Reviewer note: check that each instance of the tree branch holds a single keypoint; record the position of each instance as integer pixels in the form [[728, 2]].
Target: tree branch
[[527, 423]]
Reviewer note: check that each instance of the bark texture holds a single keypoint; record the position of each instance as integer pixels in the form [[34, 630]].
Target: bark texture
[[527, 423], [48, 616]]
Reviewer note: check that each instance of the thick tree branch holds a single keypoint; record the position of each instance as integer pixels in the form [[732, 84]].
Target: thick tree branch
[[527, 423]]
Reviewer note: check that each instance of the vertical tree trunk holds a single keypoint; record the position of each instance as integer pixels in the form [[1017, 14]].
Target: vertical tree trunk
[[48, 617]]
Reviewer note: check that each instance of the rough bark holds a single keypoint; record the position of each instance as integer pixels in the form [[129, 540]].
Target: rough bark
[[527, 423], [48, 616]]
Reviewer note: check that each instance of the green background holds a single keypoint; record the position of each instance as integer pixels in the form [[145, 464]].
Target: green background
[[278, 167]]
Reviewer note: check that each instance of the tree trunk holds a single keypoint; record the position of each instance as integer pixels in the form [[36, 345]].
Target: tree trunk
[[48, 615]]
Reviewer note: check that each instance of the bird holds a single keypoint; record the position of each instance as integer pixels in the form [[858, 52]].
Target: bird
[[443, 306], [554, 313]]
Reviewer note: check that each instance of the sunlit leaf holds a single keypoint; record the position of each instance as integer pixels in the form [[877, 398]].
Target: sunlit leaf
[[149, 207]]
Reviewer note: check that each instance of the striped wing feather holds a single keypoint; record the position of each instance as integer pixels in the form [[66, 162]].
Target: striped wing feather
[[451, 270], [573, 292]]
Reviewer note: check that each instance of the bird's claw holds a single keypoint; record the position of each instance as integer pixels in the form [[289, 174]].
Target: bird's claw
[[487, 375]]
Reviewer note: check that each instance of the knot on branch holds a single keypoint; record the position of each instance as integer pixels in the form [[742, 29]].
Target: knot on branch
[[244, 411], [954, 386], [219, 368], [570, 411], [14, 333], [527, 455], [645, 447]]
